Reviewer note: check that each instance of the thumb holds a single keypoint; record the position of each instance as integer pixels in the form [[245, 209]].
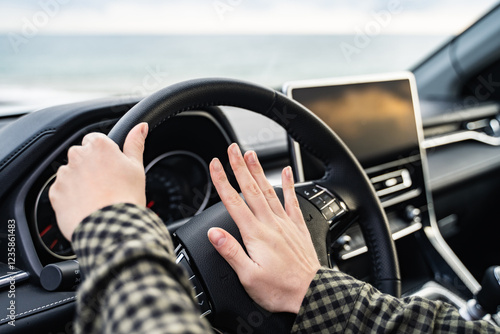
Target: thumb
[[230, 249], [134, 143]]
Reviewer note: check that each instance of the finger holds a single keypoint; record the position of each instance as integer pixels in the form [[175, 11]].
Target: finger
[[291, 202], [250, 189], [230, 249], [134, 143], [92, 137], [54, 188], [74, 155], [267, 189], [237, 208]]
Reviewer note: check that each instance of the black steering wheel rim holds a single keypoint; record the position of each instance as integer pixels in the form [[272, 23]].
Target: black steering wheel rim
[[344, 174]]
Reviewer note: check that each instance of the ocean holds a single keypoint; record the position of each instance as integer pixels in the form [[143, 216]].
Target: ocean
[[103, 65]]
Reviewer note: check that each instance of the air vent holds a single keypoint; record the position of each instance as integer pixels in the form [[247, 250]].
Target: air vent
[[480, 124], [392, 182]]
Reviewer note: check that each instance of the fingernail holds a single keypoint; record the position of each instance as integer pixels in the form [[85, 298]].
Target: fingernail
[[288, 172], [216, 165], [252, 157], [144, 130], [216, 237], [235, 150]]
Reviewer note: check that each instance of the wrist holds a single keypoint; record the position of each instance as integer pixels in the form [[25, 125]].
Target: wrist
[[301, 293]]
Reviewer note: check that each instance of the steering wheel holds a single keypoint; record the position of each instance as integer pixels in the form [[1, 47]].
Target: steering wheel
[[328, 204]]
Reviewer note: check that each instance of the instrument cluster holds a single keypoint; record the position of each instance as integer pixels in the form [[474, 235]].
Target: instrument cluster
[[178, 184]]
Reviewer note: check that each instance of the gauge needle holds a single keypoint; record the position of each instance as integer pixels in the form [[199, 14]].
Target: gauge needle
[[45, 230], [53, 244], [150, 204]]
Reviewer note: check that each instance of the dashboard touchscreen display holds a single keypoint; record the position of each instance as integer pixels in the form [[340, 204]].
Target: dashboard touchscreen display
[[375, 119]]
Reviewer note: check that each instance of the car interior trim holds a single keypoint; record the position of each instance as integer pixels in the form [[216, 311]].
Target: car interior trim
[[406, 231], [395, 236], [449, 168], [17, 277], [436, 291], [40, 308], [401, 198], [480, 111], [21, 149], [432, 230], [450, 257], [395, 163], [389, 180], [459, 137]]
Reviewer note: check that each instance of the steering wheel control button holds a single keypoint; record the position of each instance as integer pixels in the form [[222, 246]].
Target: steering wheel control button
[[201, 298], [318, 202], [309, 191], [335, 206], [202, 302], [328, 213], [196, 284], [335, 209], [183, 262], [331, 208], [322, 200]]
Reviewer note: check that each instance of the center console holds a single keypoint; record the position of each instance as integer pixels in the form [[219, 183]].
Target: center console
[[376, 118]]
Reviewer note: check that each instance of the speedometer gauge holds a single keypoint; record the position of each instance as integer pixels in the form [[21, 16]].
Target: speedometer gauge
[[47, 230], [177, 185]]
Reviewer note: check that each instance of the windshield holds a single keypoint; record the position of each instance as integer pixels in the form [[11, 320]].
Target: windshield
[[57, 50]]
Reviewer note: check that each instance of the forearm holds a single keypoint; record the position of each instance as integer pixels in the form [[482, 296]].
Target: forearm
[[132, 283], [336, 302]]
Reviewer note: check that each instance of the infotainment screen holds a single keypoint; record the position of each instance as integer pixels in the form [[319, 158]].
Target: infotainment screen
[[374, 117]]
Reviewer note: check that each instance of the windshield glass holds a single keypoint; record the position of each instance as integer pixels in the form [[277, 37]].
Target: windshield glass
[[95, 48]]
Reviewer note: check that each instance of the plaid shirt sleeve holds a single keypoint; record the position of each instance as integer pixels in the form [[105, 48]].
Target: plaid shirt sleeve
[[132, 284], [338, 303]]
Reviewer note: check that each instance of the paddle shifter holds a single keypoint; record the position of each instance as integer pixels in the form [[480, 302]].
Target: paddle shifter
[[486, 300]]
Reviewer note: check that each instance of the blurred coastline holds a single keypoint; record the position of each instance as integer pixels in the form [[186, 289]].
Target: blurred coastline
[[48, 70]]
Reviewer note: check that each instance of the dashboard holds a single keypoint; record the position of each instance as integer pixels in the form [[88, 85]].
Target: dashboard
[[178, 187], [178, 184]]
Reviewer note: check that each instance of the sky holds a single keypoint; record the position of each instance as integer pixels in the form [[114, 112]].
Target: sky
[[440, 17]]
